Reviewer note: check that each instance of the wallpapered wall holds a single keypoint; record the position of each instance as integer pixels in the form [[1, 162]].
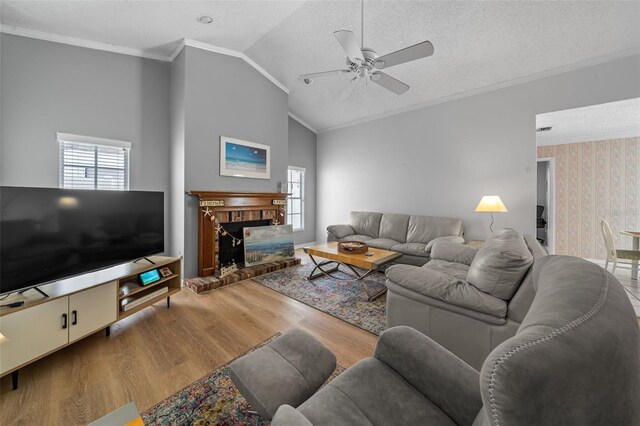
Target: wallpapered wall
[[594, 181]]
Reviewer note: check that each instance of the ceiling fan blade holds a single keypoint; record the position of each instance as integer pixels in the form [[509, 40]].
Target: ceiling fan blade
[[348, 91], [312, 76], [408, 54], [350, 45], [389, 83]]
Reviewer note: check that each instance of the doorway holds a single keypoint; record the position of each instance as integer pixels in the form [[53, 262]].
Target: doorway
[[544, 204]]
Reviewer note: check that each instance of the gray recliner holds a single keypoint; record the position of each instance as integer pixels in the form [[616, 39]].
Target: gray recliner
[[467, 300], [575, 360]]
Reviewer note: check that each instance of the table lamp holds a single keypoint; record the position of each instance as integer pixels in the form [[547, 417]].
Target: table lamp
[[3, 339], [491, 204]]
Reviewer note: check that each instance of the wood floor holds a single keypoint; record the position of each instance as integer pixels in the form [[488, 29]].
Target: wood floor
[[158, 351]]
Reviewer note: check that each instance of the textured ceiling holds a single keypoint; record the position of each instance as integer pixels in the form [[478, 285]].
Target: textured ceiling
[[478, 44], [156, 27], [593, 123]]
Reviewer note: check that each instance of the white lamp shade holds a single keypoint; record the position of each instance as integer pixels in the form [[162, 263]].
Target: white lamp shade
[[491, 204], [3, 339]]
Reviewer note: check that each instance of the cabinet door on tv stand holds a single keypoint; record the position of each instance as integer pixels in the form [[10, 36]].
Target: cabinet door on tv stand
[[92, 310], [33, 332]]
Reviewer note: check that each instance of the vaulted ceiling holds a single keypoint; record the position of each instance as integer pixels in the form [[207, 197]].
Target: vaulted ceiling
[[613, 120], [478, 45]]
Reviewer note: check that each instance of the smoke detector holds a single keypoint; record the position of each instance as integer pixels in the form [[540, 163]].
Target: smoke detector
[[204, 19]]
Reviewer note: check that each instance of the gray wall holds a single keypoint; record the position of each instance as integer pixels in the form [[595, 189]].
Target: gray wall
[[177, 166], [440, 160], [302, 153], [50, 87], [226, 96]]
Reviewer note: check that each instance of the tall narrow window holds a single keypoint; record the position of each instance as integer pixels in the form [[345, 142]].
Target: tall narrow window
[[93, 163], [295, 204]]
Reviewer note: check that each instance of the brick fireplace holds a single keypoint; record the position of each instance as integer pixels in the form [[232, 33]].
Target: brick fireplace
[[232, 211]]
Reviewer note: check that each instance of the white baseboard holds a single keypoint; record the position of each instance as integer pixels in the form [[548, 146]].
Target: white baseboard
[[299, 246]]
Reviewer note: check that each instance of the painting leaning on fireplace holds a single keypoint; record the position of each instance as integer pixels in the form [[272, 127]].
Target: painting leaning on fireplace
[[244, 159], [264, 244]]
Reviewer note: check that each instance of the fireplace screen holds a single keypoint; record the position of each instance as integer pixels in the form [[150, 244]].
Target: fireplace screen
[[227, 253]]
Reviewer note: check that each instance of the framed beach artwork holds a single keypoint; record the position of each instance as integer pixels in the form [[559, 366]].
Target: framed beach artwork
[[244, 159], [264, 244]]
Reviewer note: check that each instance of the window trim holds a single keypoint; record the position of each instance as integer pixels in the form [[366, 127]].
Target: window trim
[[96, 143], [302, 195], [92, 140]]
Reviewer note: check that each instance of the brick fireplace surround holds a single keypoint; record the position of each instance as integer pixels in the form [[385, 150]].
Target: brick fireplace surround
[[227, 207]]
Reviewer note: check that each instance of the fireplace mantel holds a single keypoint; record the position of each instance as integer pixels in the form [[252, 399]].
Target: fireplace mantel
[[227, 207]]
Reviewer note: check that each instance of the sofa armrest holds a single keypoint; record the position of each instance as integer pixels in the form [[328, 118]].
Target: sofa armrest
[[450, 238], [445, 288], [445, 379], [453, 252], [337, 232], [289, 416]]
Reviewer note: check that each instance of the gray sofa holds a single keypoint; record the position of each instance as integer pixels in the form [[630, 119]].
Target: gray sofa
[[467, 300], [411, 235], [575, 360]]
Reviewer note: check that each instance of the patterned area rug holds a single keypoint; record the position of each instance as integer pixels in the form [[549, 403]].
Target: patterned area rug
[[342, 298], [211, 400]]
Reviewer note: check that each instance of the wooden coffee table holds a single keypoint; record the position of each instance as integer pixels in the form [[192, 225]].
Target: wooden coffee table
[[371, 264]]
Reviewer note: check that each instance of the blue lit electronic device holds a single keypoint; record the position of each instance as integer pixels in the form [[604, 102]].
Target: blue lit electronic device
[[148, 277]]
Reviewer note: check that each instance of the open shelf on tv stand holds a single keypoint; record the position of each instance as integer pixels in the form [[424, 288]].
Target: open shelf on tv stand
[[76, 308]]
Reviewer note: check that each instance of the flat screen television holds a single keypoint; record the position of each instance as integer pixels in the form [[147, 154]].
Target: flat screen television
[[47, 234]]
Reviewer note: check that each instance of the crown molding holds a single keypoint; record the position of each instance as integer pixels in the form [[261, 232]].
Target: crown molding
[[73, 41], [178, 50], [504, 84], [229, 52], [301, 121]]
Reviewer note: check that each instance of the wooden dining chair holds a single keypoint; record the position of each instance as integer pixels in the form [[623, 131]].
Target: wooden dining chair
[[613, 254]]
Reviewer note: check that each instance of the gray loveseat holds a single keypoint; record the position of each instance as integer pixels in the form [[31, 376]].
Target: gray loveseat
[[467, 300], [575, 360], [411, 235]]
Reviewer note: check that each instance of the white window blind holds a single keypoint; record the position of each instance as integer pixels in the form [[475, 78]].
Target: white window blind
[[295, 204], [85, 165]]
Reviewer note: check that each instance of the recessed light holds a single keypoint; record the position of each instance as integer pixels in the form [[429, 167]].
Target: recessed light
[[204, 19]]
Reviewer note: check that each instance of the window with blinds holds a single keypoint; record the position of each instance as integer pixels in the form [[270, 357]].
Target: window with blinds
[[86, 165], [295, 200]]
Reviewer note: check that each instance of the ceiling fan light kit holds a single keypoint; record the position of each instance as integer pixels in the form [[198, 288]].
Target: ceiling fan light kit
[[363, 63]]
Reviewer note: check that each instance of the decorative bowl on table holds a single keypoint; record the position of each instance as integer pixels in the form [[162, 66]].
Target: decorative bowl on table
[[352, 247]]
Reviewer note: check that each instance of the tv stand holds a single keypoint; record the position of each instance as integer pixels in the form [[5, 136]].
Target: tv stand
[[77, 307], [34, 288], [145, 258]]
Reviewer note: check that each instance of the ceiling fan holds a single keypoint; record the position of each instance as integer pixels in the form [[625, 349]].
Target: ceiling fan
[[364, 64]]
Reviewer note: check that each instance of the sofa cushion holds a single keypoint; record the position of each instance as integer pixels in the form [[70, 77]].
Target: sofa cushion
[[414, 249], [423, 229], [362, 238], [455, 269], [500, 265], [371, 392], [340, 231], [382, 243], [365, 223], [446, 288], [453, 252], [450, 238], [394, 227]]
